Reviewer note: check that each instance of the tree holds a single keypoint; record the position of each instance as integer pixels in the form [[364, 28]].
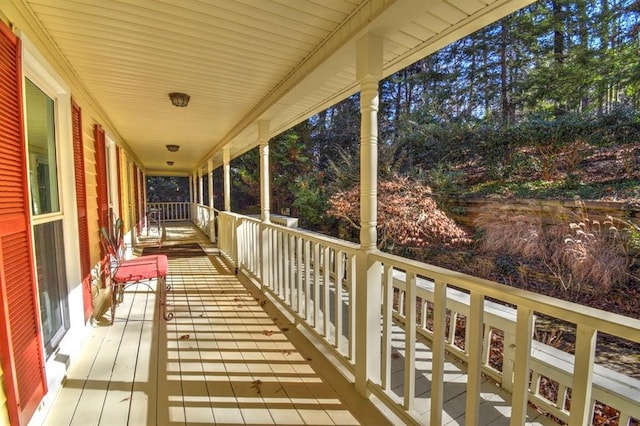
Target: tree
[[165, 189]]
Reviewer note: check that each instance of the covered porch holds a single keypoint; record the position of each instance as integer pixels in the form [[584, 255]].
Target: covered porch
[[274, 324]]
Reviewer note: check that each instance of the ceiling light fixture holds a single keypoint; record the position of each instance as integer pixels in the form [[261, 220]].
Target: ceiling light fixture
[[169, 163], [173, 148], [179, 99]]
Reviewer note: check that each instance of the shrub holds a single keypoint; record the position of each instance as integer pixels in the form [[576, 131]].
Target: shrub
[[407, 215], [596, 254], [581, 253]]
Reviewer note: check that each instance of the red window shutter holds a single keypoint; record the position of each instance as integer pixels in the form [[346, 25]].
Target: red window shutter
[[20, 336], [101, 176], [119, 181], [81, 201], [136, 202]]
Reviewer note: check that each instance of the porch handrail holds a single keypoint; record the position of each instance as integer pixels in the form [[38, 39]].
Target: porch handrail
[[204, 217], [300, 269], [172, 211]]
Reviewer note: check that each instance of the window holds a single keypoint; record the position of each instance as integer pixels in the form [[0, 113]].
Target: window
[[43, 170], [48, 222]]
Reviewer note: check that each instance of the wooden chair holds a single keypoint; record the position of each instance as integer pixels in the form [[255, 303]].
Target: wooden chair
[[126, 272]]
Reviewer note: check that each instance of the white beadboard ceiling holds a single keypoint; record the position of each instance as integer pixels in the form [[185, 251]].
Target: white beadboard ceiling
[[240, 61]]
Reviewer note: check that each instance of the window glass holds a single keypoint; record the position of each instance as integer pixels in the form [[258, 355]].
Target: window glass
[[51, 283], [43, 171]]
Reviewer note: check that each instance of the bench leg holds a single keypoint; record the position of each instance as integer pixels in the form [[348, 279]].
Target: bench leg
[[114, 301], [163, 288]]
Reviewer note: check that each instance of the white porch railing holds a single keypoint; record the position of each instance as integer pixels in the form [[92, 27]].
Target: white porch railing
[[300, 269], [172, 212], [204, 218]]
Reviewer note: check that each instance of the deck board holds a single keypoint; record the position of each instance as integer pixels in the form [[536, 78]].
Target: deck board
[[120, 390]]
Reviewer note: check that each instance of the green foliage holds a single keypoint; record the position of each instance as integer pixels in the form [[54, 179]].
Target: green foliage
[[162, 189], [112, 239], [311, 203]]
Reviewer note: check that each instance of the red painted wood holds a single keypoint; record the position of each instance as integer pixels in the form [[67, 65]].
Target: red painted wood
[[20, 332], [81, 202], [136, 203], [101, 177], [119, 181]]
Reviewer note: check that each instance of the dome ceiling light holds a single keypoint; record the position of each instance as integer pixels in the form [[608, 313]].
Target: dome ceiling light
[[179, 99]]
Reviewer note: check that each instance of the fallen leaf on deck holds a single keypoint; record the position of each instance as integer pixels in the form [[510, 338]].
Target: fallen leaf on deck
[[184, 337], [268, 332], [125, 399], [256, 385], [395, 355], [285, 329]]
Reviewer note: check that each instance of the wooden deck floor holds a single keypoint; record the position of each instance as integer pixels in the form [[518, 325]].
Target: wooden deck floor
[[223, 359]]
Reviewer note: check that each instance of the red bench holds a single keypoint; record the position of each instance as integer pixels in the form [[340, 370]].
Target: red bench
[[141, 270]]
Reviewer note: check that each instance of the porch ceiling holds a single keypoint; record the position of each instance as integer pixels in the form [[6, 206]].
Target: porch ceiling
[[240, 60]]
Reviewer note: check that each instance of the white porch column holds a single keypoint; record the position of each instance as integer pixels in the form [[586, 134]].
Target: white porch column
[[143, 184], [369, 276], [194, 197], [200, 187], [265, 201], [263, 140], [212, 213], [226, 168]]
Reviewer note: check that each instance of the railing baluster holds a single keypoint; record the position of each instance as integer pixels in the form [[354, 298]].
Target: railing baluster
[[300, 270], [410, 342], [292, 272], [273, 242], [475, 324], [307, 280], [326, 286], [338, 297], [316, 284], [438, 357], [351, 286], [286, 284], [279, 254], [581, 404], [524, 332], [561, 398], [387, 324], [453, 319]]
